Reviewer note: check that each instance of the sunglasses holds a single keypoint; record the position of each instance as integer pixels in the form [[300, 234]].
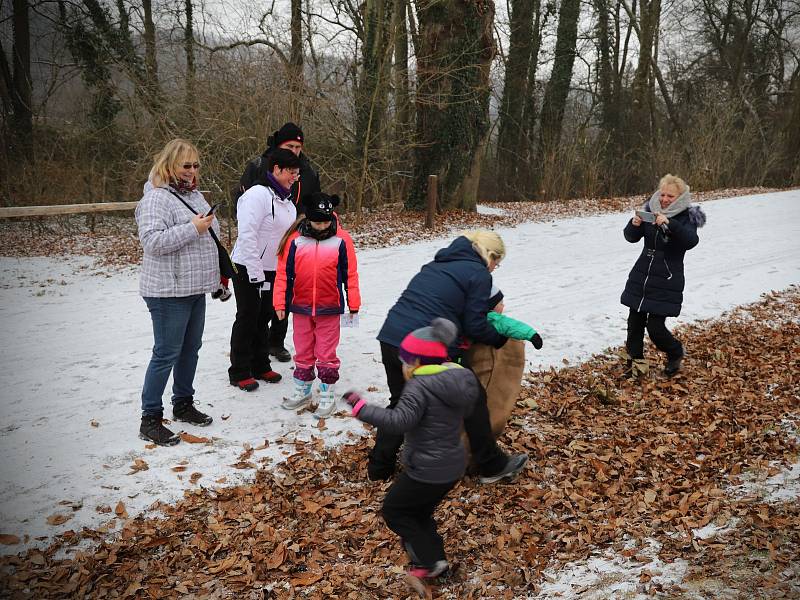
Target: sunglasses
[[188, 166]]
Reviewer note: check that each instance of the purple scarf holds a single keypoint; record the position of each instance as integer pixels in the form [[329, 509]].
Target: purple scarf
[[282, 191]]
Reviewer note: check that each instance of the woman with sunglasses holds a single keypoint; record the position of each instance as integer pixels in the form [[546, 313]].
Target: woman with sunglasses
[[180, 265]]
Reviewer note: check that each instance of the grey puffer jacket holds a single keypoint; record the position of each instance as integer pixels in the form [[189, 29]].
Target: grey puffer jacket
[[430, 413]]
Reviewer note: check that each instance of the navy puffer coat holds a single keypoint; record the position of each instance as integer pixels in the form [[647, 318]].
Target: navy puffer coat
[[456, 286], [655, 284]]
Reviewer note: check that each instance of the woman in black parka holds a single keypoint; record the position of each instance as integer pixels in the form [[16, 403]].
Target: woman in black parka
[[654, 290]]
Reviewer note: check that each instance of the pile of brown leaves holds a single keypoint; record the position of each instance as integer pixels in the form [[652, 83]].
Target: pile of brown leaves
[[612, 461], [114, 242]]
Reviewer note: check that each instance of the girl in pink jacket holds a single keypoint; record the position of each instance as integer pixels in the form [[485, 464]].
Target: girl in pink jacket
[[316, 266]]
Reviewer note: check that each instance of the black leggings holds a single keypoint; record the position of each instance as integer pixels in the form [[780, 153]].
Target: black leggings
[[485, 452], [656, 329], [408, 511]]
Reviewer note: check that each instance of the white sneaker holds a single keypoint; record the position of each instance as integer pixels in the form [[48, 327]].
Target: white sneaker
[[327, 401], [300, 397]]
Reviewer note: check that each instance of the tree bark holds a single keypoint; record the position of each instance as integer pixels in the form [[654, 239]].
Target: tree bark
[[452, 101], [296, 79], [510, 143], [21, 85], [188, 48], [555, 96], [150, 60]]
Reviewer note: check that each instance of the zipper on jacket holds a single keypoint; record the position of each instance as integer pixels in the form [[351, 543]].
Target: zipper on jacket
[[652, 254], [314, 282]]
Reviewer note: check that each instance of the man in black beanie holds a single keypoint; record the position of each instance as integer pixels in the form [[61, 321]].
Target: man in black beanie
[[289, 137]]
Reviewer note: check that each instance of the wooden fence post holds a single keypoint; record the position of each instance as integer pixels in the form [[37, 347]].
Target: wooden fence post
[[433, 198]]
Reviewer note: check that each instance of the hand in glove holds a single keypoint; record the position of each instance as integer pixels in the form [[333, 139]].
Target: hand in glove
[[222, 293], [355, 400], [536, 340]]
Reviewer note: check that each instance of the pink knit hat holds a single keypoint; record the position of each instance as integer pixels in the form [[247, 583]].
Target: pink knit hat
[[428, 344]]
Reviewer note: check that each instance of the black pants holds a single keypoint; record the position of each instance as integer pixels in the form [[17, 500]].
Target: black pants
[[656, 329], [277, 331], [408, 511], [485, 452], [250, 333]]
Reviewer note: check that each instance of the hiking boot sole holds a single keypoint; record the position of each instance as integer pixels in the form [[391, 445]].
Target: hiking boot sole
[[171, 442], [302, 404], [198, 424], [500, 476]]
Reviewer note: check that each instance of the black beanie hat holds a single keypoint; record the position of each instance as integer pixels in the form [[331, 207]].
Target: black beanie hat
[[319, 206], [289, 132]]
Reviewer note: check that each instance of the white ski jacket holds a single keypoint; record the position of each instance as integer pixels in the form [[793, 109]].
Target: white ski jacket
[[263, 217]]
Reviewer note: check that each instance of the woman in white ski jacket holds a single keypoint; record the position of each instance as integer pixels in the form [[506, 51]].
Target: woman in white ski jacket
[[264, 213]]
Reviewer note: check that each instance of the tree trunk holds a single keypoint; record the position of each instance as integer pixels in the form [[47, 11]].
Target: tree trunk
[[150, 60], [555, 96], [529, 112], [21, 85], [372, 91], [609, 104], [296, 79], [188, 47], [452, 101], [510, 144], [640, 132], [403, 117], [403, 134]]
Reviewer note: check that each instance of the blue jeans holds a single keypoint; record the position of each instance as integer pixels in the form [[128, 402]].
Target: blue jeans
[[178, 332]]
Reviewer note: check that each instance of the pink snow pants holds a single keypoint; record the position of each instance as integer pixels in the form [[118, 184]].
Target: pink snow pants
[[315, 342]]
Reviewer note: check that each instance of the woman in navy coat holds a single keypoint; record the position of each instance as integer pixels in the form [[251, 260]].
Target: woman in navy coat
[[654, 290], [456, 285]]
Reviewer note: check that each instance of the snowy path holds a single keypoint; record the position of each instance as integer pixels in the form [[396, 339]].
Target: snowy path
[[76, 345]]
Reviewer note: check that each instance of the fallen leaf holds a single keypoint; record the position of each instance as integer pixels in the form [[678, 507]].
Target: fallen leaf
[[58, 519], [306, 578], [138, 465], [8, 539], [94, 423], [180, 468], [194, 477], [120, 510], [225, 417], [193, 439]]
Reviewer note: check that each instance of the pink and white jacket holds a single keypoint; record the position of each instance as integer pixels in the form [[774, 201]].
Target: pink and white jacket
[[313, 275]]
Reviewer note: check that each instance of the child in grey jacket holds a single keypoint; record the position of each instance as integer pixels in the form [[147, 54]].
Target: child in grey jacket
[[430, 412]]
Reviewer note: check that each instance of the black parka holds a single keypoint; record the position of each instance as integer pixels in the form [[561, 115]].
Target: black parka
[[655, 284]]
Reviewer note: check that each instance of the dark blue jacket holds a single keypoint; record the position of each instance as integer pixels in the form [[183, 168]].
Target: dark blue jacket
[[655, 284], [456, 286]]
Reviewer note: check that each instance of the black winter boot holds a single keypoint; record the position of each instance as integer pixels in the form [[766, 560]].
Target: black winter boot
[[153, 430], [674, 364], [282, 354], [184, 410]]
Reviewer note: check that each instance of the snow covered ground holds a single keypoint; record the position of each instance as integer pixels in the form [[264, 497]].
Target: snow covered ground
[[76, 343]]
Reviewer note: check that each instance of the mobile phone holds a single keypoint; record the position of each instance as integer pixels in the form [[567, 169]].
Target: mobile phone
[[646, 216], [213, 208]]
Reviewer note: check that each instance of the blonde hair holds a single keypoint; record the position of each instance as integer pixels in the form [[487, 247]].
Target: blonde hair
[[487, 243], [165, 163], [670, 179]]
